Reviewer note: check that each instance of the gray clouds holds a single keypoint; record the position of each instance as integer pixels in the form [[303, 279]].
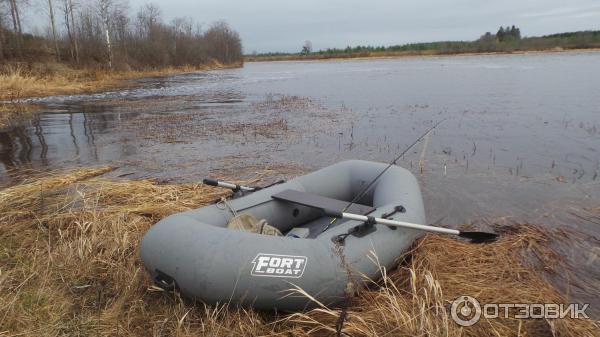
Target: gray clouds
[[280, 25]]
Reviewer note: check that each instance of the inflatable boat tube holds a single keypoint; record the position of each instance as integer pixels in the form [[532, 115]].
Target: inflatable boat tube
[[196, 252]]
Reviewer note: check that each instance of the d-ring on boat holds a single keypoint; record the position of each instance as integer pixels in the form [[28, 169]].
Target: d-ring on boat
[[201, 253]]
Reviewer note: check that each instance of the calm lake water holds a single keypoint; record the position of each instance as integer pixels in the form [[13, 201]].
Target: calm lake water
[[521, 141]]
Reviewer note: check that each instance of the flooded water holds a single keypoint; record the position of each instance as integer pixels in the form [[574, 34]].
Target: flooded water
[[521, 141]]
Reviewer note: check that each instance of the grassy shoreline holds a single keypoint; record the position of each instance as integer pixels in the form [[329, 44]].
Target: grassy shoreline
[[19, 82], [70, 265], [404, 54]]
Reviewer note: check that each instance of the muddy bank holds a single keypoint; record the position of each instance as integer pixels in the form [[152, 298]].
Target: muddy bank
[[70, 265]]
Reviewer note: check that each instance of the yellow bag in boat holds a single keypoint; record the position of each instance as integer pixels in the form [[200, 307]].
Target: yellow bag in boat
[[248, 223]]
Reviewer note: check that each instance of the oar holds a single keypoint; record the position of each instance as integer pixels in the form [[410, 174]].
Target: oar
[[236, 187], [476, 237]]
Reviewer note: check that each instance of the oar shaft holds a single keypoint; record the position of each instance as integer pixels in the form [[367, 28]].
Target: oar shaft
[[388, 222], [234, 186], [213, 182]]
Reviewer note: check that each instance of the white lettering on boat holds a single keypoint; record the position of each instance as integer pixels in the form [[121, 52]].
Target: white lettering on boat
[[275, 265]]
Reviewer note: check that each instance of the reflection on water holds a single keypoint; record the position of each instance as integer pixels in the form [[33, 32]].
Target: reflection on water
[[55, 139]]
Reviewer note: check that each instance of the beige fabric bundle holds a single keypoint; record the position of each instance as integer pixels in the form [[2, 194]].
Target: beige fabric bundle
[[248, 223]]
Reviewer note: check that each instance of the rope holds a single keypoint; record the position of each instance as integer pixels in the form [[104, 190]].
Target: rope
[[339, 324], [223, 204], [348, 292]]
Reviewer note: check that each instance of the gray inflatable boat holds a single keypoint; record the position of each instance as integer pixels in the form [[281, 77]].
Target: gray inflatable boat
[[196, 252]]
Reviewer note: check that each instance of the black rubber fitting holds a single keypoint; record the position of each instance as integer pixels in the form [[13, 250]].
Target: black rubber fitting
[[210, 182]]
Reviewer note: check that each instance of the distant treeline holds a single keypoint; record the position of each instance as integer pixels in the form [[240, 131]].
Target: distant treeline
[[507, 39], [103, 33]]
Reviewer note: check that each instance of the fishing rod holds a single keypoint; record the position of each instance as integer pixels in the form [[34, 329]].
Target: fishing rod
[[474, 236], [390, 164], [368, 187]]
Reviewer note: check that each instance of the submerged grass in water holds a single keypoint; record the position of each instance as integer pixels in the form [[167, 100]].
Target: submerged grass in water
[[69, 265]]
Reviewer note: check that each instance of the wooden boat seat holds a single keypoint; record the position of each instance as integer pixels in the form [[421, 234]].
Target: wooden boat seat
[[321, 202]]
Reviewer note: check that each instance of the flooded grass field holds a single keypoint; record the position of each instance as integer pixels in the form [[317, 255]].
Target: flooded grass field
[[520, 144], [522, 134]]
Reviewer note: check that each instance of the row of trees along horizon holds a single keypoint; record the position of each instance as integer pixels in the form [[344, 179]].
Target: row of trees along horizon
[[102, 33], [506, 39]]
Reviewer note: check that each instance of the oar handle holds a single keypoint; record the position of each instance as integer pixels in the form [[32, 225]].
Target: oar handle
[[210, 182], [388, 222], [235, 187]]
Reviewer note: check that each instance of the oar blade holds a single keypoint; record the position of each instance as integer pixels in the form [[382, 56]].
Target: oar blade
[[479, 237]]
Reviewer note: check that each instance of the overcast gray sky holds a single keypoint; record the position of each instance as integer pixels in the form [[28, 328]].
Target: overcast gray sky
[[283, 25]]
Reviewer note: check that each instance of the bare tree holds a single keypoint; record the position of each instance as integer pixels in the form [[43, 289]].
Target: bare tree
[[307, 47], [71, 30], [18, 34], [53, 25], [74, 31], [223, 44], [90, 36], [2, 43], [148, 19], [67, 21], [94, 32], [104, 6], [121, 33]]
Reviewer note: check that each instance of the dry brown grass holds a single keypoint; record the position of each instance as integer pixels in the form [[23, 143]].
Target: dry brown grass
[[414, 299], [69, 265], [17, 82]]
